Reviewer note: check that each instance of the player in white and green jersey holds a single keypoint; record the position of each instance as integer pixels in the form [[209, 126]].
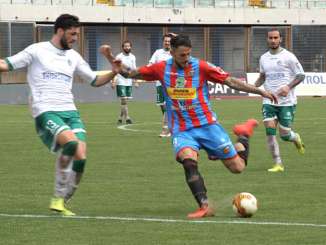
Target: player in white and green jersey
[[124, 85], [161, 55], [280, 73], [50, 69]]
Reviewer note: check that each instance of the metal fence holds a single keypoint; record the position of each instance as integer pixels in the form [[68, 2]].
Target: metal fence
[[182, 3], [235, 48]]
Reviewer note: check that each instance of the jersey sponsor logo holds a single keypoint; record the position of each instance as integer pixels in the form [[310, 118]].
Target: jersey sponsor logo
[[56, 76], [182, 93], [183, 107], [275, 76]]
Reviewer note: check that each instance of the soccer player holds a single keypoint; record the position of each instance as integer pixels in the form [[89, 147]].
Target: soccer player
[[280, 73], [124, 85], [51, 66], [193, 124], [161, 55]]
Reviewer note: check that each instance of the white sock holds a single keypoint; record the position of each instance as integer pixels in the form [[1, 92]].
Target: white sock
[[61, 176], [274, 148], [71, 186], [293, 136]]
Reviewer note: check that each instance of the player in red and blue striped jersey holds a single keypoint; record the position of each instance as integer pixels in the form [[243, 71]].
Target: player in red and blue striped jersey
[[192, 122]]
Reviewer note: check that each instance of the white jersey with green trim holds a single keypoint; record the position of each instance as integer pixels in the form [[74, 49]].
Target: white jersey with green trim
[[158, 56], [129, 60], [50, 74], [280, 69]]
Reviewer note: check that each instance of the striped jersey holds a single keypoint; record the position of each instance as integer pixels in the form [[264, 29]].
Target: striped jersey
[[186, 91]]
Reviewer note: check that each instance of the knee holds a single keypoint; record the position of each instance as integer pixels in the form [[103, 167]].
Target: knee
[[70, 148], [123, 101], [187, 153], [237, 166]]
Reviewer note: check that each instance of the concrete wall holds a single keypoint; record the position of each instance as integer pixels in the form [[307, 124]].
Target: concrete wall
[[109, 14]]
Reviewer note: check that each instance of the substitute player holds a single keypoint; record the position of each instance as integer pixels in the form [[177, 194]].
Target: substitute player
[[124, 85], [280, 73], [50, 69], [161, 55], [193, 124]]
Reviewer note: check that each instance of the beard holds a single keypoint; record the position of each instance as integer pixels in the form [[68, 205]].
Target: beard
[[127, 51], [64, 44], [276, 46]]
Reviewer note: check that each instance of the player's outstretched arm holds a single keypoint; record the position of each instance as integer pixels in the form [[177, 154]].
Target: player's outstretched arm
[[104, 78], [237, 84], [3, 66]]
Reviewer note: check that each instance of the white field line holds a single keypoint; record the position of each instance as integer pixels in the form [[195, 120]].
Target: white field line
[[161, 220], [126, 127]]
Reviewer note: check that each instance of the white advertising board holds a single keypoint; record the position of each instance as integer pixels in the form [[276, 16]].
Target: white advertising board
[[313, 85]]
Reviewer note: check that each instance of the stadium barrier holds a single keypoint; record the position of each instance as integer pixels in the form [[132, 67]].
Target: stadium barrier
[[313, 85]]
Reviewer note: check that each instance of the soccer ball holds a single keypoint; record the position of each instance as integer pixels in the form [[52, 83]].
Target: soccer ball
[[244, 204]]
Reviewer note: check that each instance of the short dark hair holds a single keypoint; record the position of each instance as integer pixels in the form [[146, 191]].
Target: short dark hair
[[180, 40], [274, 29], [167, 35], [66, 21], [124, 42]]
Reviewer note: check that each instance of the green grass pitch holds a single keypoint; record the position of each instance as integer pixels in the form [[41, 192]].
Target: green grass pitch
[[133, 191]]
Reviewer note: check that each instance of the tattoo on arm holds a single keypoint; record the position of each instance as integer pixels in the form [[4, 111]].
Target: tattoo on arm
[[237, 84], [297, 80], [128, 73], [261, 79]]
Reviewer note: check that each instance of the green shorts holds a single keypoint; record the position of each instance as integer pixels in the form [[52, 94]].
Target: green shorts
[[284, 114], [49, 124], [124, 91], [159, 95]]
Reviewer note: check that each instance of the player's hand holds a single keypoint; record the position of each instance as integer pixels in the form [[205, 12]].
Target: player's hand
[[106, 51], [283, 91], [270, 96]]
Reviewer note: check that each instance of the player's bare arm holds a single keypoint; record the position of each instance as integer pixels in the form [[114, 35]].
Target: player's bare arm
[[104, 79], [3, 66], [283, 91], [237, 84], [260, 80]]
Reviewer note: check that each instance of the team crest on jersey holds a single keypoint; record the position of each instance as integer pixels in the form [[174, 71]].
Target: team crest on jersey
[[69, 62], [279, 63], [180, 82]]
